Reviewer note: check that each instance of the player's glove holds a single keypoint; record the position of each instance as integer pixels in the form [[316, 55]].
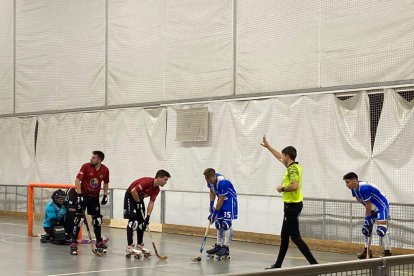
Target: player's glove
[[104, 200], [146, 222], [213, 216], [370, 220]]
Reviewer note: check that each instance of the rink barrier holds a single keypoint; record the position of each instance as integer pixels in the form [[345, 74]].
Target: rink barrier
[[270, 239], [342, 233]]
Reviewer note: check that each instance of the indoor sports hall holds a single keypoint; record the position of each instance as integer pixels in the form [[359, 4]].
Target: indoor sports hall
[[195, 137]]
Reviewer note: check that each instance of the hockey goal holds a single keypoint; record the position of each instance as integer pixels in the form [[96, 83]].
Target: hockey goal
[[38, 194]]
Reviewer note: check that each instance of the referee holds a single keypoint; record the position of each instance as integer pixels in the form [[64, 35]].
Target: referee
[[292, 198]]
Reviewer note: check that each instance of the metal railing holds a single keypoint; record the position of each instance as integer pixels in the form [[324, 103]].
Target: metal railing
[[341, 220], [389, 266], [13, 198]]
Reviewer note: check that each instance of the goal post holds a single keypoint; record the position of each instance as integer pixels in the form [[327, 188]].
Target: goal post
[[31, 212]]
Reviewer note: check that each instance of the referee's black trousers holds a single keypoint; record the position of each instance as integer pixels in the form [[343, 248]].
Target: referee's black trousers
[[290, 229]]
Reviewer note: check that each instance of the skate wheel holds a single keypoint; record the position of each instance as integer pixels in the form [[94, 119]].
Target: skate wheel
[[128, 255], [146, 255], [137, 256]]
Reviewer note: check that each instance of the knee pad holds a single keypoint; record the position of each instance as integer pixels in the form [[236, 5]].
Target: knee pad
[[217, 224], [381, 230], [97, 221], [133, 224], [226, 224], [366, 230]]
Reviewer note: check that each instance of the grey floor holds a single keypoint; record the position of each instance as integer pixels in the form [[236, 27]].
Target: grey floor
[[21, 255]]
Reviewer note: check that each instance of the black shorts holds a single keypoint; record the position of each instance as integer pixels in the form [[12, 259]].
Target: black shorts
[[92, 205], [133, 210]]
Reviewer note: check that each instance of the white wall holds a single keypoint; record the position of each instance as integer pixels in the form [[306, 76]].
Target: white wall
[[60, 54], [80, 54], [6, 56], [17, 155], [277, 45]]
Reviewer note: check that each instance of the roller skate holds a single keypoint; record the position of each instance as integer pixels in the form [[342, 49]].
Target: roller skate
[[131, 250], [211, 252], [386, 253], [223, 254], [363, 255], [44, 238], [144, 250], [101, 247], [73, 248]]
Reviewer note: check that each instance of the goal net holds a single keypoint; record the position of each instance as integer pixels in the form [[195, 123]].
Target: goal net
[[38, 195]]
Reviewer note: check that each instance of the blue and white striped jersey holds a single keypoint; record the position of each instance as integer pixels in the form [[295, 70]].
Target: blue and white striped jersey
[[370, 192], [223, 187]]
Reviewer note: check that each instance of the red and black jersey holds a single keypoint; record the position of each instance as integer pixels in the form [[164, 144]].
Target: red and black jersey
[[91, 179], [145, 188]]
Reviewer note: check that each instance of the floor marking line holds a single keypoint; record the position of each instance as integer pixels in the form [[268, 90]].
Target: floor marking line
[[19, 236], [118, 269], [19, 224]]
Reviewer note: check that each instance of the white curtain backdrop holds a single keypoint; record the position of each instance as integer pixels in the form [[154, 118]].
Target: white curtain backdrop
[[366, 41], [199, 49], [17, 166], [136, 51], [132, 140], [331, 137], [60, 54], [277, 45], [6, 56], [393, 155]]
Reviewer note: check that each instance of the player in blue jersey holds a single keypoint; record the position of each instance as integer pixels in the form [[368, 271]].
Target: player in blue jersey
[[53, 222], [223, 213], [376, 210]]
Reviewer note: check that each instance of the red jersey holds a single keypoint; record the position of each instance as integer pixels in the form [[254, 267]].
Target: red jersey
[[145, 188], [91, 179]]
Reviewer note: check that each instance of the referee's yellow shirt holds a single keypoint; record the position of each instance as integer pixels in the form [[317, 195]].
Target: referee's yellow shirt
[[293, 173]]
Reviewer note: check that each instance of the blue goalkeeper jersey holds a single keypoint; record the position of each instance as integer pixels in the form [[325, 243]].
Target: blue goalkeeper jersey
[[370, 192], [54, 212]]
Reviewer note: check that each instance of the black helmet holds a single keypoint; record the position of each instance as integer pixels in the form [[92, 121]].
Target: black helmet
[[59, 197]]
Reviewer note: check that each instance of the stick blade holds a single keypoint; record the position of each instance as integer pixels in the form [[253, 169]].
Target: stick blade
[[196, 259], [156, 253]]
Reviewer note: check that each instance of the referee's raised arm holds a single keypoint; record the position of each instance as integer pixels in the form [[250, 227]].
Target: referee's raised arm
[[275, 153]]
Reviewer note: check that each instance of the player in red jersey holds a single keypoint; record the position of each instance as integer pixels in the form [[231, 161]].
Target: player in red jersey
[[134, 208], [88, 186]]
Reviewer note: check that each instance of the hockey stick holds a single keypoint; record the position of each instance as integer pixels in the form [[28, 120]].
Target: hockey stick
[[155, 248], [93, 246], [203, 242]]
